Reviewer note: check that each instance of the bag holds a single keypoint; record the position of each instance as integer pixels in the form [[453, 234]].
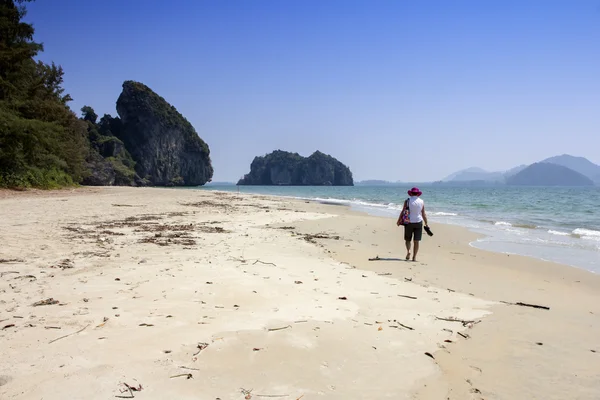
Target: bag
[[405, 216]]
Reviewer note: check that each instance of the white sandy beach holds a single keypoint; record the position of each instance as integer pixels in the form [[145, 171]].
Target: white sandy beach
[[189, 294]]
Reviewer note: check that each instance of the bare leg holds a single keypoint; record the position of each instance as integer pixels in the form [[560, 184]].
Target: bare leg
[[407, 242], [415, 249]]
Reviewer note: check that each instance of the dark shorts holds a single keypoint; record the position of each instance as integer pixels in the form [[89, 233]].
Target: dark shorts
[[413, 229]]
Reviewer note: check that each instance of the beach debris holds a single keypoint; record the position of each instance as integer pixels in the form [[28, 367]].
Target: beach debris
[[539, 343], [311, 238], [462, 321], [64, 264], [278, 329], [129, 389], [190, 368], [298, 282], [187, 376], [429, 355], [52, 327], [593, 351], [70, 334], [287, 228], [384, 273], [342, 298], [48, 302], [8, 272], [404, 326], [32, 277], [463, 335], [376, 258], [380, 328], [408, 297], [257, 349], [262, 262], [145, 324], [8, 326], [10, 260], [104, 321], [408, 279], [200, 347], [531, 305], [247, 393]]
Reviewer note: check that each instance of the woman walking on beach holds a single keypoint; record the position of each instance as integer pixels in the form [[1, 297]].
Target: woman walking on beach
[[413, 221]]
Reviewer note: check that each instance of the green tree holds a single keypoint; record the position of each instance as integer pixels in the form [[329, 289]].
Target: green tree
[[89, 114], [42, 142]]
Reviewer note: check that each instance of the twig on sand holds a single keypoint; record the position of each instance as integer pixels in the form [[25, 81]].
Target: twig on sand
[[187, 376], [453, 319], [279, 329], [70, 334], [262, 262], [429, 355], [528, 305], [405, 326], [384, 273], [408, 297], [193, 369], [463, 335], [200, 347], [130, 389]]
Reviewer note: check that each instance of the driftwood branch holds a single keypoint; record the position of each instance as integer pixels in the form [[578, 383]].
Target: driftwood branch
[[262, 262], [531, 305], [408, 297], [453, 319], [525, 305], [405, 326], [70, 334], [279, 329]]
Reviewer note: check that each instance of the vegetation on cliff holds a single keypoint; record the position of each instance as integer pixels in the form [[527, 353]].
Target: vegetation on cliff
[[285, 168], [44, 144]]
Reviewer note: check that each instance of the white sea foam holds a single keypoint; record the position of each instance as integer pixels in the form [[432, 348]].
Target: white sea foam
[[441, 213], [502, 223], [559, 233], [586, 232]]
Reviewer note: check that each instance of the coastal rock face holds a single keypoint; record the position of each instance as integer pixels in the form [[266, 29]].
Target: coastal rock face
[[546, 174], [285, 168], [165, 147]]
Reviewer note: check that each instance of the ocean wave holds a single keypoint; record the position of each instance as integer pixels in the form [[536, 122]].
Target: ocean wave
[[553, 232], [525, 226], [586, 232], [441, 213], [502, 223]]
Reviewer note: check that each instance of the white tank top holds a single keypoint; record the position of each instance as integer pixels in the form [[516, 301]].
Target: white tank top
[[415, 205]]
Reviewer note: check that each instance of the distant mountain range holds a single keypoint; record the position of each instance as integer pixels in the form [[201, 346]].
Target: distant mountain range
[[577, 171]]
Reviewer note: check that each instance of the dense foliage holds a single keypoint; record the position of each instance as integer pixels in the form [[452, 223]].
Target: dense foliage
[[285, 168], [42, 142]]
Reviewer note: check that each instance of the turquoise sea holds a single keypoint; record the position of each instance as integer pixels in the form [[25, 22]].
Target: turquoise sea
[[549, 223]]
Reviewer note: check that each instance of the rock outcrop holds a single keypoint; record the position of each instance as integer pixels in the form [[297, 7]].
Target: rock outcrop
[[546, 174], [165, 147], [285, 168]]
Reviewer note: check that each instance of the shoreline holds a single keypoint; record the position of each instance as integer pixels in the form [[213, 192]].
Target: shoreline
[[372, 209], [176, 269]]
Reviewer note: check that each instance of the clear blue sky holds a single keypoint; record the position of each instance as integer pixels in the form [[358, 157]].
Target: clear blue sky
[[397, 90]]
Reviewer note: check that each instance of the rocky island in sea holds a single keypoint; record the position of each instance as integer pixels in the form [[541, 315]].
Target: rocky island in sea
[[286, 168]]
